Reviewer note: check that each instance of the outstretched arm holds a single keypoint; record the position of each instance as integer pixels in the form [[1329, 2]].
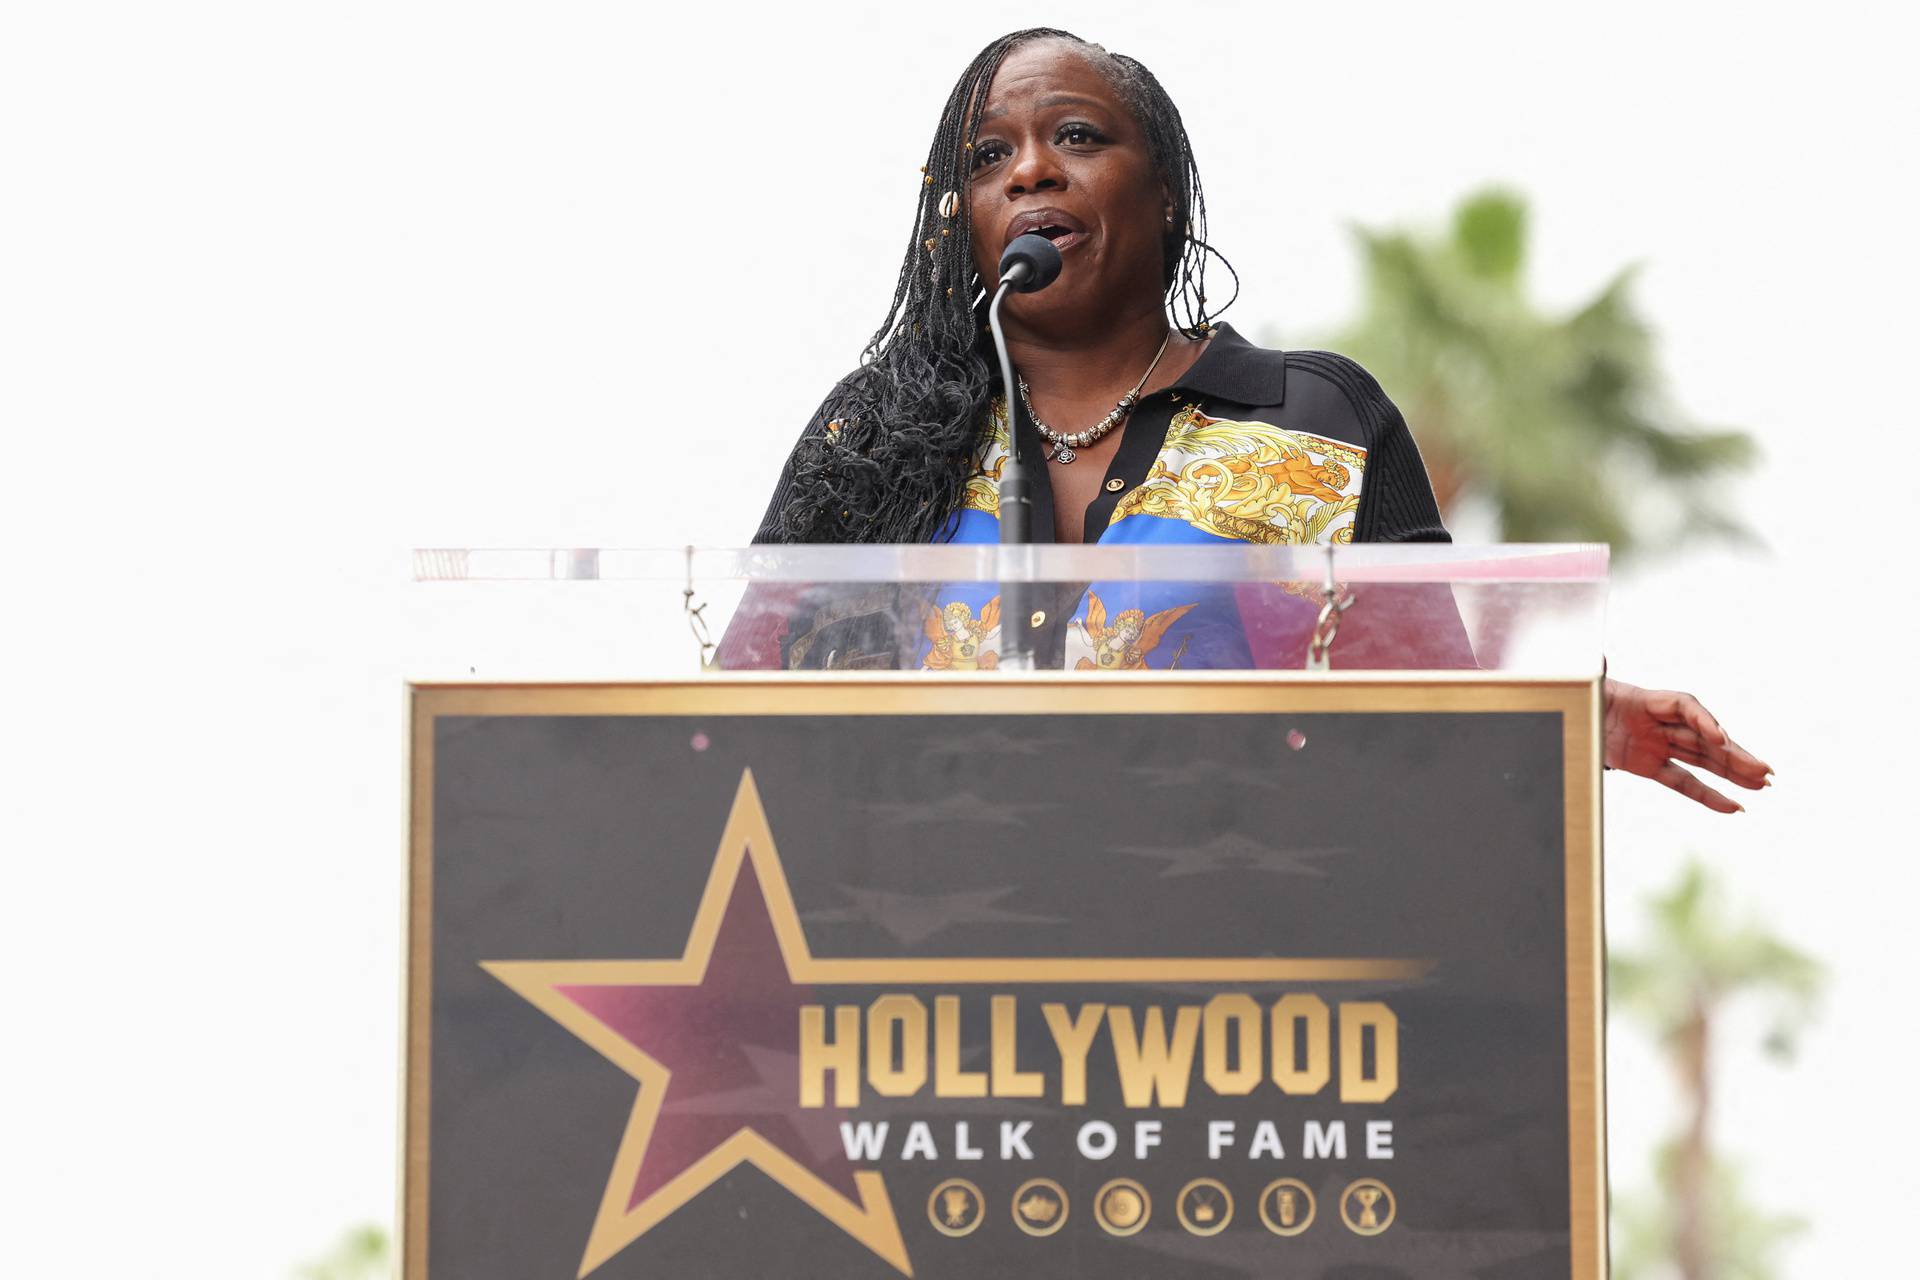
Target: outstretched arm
[[1653, 732]]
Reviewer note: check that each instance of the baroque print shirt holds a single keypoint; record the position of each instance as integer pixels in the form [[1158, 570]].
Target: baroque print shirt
[[1252, 445]]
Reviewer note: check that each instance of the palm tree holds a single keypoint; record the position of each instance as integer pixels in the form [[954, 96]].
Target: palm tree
[[1694, 963], [1559, 422], [363, 1253]]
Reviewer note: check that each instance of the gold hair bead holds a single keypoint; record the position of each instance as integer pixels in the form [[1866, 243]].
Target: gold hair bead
[[949, 293], [949, 203], [930, 244], [834, 426], [946, 231], [929, 179]]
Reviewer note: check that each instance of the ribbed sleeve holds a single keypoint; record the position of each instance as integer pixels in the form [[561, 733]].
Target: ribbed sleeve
[[1396, 500]]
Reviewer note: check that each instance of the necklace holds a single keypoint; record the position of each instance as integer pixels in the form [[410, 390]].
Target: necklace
[[1063, 446]]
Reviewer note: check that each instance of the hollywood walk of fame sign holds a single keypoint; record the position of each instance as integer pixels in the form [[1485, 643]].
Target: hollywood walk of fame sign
[[721, 979]]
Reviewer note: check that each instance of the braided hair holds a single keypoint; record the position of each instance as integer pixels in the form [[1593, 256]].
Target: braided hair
[[887, 457]]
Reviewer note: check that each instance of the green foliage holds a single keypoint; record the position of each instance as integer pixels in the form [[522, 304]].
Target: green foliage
[[1695, 960], [1744, 1242], [1490, 230], [363, 1253], [1560, 422], [1697, 1221]]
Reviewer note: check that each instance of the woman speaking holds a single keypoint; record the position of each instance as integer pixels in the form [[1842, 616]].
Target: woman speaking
[[1157, 423]]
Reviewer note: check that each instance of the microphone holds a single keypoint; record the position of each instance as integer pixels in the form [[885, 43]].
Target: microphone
[[1031, 263]]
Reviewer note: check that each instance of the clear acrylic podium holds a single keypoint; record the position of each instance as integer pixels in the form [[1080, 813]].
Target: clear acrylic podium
[[765, 923], [553, 614]]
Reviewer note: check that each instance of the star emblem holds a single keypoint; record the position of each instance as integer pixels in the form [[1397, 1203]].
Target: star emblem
[[988, 743], [1195, 773], [912, 918], [957, 806], [1231, 851], [738, 973], [706, 1037]]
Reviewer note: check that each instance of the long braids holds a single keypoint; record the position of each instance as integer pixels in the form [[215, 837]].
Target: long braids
[[894, 445]]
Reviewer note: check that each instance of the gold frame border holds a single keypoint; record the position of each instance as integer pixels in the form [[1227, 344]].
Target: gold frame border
[[1577, 701]]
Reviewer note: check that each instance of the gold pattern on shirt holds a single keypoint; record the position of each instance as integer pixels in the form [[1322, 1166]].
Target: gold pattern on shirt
[[983, 485], [1251, 481]]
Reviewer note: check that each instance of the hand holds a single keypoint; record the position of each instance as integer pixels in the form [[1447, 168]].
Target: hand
[[1652, 732]]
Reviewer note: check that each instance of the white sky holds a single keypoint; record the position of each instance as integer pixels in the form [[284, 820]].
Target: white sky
[[288, 289]]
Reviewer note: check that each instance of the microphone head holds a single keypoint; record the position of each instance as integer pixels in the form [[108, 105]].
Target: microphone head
[[1037, 255]]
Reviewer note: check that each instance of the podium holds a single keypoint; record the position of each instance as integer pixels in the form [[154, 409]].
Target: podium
[[765, 923]]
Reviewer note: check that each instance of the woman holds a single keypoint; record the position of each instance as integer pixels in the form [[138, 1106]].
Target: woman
[[1159, 424]]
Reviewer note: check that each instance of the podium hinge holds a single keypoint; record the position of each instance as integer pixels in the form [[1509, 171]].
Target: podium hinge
[[697, 618], [1335, 600]]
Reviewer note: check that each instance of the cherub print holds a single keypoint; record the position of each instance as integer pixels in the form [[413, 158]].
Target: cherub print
[[962, 642], [1123, 644]]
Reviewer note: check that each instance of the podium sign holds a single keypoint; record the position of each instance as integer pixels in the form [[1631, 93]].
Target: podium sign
[[1089, 976]]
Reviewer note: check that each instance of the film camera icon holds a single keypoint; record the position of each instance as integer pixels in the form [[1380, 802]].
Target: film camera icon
[[956, 1207]]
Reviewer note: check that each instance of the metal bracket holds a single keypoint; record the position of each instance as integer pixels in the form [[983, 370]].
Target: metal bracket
[[697, 619], [1334, 602]]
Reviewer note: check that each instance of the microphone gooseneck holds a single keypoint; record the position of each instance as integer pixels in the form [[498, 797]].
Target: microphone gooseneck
[[1028, 264]]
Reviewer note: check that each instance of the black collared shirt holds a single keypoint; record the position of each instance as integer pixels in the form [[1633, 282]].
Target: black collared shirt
[[1250, 445], [1311, 395], [1356, 446]]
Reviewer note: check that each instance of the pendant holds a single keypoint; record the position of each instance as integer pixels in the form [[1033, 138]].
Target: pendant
[[1062, 454]]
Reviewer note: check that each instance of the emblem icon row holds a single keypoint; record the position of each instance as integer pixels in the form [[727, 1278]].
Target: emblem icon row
[[1122, 1207]]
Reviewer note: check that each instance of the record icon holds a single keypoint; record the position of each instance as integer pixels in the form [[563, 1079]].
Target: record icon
[[1122, 1207]]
